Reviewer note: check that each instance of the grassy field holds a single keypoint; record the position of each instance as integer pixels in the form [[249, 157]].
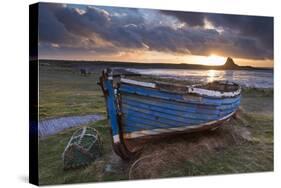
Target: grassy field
[[63, 92], [245, 144]]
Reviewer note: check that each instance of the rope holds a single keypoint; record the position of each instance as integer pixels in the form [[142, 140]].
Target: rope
[[137, 161]]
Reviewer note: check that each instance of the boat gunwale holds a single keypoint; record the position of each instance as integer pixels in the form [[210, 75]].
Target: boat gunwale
[[190, 89], [179, 100], [130, 96]]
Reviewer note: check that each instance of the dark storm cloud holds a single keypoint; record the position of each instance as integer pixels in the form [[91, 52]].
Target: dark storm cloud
[[50, 29], [180, 40], [133, 33], [123, 31], [190, 18], [258, 28], [57, 35], [74, 28]]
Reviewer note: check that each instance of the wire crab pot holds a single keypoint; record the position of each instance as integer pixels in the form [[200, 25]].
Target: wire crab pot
[[84, 147]]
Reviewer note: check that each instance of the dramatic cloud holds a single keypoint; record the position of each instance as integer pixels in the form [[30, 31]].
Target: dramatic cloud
[[258, 30], [190, 18], [108, 30]]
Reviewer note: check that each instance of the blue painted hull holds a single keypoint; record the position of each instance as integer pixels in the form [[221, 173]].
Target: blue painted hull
[[140, 110], [145, 109]]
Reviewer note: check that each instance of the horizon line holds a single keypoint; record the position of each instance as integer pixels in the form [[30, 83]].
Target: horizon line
[[249, 66]]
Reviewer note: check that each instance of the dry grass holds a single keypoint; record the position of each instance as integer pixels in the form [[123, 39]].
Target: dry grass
[[159, 158]]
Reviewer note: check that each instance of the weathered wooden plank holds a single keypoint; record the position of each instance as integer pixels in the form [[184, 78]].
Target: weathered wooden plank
[[111, 107], [161, 119], [174, 108], [174, 105], [180, 114], [136, 124], [176, 97], [130, 110]]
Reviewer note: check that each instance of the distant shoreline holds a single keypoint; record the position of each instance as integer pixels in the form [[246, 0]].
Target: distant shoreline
[[153, 65]]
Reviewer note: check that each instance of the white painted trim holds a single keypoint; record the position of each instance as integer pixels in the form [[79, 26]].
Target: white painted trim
[[142, 133], [139, 83], [190, 89], [116, 138], [213, 93]]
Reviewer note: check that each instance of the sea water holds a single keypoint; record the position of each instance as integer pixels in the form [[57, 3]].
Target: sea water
[[246, 78]]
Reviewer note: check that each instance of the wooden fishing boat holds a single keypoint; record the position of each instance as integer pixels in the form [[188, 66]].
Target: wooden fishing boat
[[138, 109]]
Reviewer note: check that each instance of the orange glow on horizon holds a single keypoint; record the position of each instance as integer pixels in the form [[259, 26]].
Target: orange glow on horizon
[[213, 60], [145, 56]]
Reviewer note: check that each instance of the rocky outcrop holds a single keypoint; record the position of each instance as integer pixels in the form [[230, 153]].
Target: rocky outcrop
[[229, 64]]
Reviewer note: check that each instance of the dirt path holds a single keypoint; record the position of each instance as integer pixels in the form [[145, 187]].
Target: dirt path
[[52, 126]]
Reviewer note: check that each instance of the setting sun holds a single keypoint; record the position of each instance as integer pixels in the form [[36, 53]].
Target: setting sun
[[213, 60]]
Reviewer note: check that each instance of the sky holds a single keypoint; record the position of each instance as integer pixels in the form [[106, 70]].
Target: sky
[[86, 32]]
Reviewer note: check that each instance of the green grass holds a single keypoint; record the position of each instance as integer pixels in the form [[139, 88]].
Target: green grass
[[51, 163], [64, 92]]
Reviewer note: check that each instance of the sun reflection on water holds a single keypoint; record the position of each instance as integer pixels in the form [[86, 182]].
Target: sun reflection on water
[[211, 75]]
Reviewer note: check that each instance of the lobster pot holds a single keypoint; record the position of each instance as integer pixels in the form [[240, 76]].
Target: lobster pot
[[83, 147]]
